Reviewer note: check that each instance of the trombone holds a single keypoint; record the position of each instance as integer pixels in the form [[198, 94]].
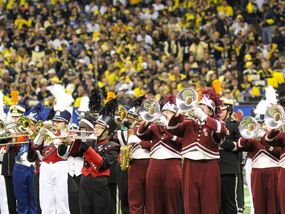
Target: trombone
[[17, 129], [15, 143]]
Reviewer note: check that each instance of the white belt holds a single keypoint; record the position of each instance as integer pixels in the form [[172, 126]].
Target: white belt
[[264, 161], [140, 153], [25, 163], [197, 153], [160, 152], [282, 163]]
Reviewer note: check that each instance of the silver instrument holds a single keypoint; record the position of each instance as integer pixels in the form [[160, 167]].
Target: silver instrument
[[274, 117], [150, 110], [249, 128], [187, 99]]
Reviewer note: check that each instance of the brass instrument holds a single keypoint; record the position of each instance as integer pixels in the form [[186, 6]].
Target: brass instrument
[[65, 134], [150, 110], [15, 129], [274, 117], [187, 99], [15, 143], [13, 136], [125, 157], [49, 136], [121, 114], [249, 128]]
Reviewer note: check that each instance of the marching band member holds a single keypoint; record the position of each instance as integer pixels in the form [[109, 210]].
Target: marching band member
[[139, 161], [23, 173], [201, 137], [121, 137], [276, 137], [75, 160], [3, 195], [53, 169], [164, 174], [265, 170], [229, 161], [98, 156], [15, 112]]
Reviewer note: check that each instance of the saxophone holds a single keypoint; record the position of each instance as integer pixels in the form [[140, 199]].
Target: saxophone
[[125, 157]]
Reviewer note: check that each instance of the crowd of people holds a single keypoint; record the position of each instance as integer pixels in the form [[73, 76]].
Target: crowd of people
[[62, 54], [140, 47]]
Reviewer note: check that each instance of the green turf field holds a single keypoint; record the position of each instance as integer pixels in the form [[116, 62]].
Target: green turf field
[[246, 200]]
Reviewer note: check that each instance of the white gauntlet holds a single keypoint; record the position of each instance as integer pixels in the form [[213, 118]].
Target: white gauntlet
[[39, 139], [199, 114]]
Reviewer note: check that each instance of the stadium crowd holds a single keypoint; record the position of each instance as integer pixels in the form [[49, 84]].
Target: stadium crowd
[[136, 47], [135, 50]]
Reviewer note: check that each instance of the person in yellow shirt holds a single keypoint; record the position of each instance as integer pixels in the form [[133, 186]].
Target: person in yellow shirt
[[120, 27], [198, 49], [225, 10]]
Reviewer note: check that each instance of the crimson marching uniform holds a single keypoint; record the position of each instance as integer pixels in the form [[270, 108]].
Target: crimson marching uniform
[[278, 139], [164, 175], [201, 174], [264, 175], [200, 150], [137, 175]]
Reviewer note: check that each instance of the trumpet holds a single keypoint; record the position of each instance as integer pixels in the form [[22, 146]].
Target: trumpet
[[249, 128], [274, 117]]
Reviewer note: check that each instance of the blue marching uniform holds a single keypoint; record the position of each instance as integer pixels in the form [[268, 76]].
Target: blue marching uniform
[[23, 180]]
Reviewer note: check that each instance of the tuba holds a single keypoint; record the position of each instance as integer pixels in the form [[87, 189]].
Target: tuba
[[186, 99], [274, 117], [150, 110], [249, 128], [125, 157]]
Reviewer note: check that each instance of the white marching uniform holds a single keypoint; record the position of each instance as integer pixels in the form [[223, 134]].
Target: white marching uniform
[[53, 178], [3, 195]]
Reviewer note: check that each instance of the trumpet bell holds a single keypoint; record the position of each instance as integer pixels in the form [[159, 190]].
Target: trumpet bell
[[186, 99], [249, 128], [2, 126], [121, 113], [150, 110], [24, 124], [274, 117]]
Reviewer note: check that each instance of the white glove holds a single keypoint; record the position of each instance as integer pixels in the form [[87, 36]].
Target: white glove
[[2, 152], [199, 114]]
